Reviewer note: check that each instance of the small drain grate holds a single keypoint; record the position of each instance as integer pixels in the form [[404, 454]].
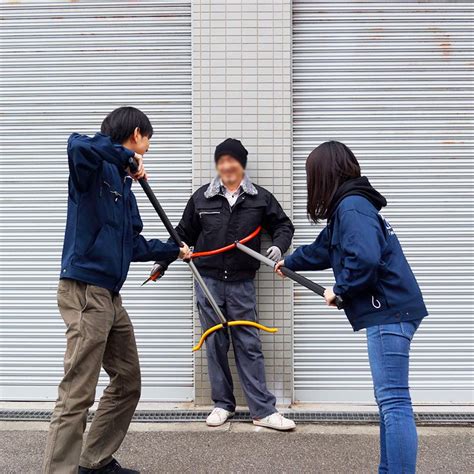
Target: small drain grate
[[176, 416]]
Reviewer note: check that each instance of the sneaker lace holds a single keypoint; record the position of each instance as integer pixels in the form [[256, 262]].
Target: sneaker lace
[[279, 418], [217, 411]]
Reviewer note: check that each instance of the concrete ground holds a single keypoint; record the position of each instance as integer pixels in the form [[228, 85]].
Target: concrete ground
[[243, 448]]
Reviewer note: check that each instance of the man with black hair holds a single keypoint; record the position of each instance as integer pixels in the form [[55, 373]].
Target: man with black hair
[[103, 235], [228, 209]]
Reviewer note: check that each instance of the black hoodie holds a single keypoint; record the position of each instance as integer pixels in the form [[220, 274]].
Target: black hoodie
[[357, 187]]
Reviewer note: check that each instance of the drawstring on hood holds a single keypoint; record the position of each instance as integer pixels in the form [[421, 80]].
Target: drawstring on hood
[[357, 187]]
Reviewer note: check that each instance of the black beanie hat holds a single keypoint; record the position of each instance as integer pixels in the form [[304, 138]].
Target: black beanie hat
[[234, 148]]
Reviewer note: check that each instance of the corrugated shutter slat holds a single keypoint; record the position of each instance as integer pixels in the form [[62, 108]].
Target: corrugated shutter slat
[[392, 80], [65, 65]]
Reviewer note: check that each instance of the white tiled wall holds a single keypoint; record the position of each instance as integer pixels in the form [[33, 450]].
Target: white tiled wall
[[242, 89]]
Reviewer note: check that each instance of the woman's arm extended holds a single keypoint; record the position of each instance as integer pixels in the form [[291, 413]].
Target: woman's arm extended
[[314, 256]]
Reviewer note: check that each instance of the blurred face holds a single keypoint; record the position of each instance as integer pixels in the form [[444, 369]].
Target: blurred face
[[137, 142], [230, 170]]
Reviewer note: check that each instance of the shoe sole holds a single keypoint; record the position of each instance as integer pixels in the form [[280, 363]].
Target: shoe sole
[[268, 425], [214, 425]]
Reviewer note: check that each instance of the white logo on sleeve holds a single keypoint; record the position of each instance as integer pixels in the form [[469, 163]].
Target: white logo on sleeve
[[388, 226]]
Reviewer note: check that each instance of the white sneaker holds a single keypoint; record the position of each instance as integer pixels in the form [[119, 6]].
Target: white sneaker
[[276, 421], [218, 417]]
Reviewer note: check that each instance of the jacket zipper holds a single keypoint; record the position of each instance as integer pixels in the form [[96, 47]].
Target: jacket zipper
[[236, 202], [231, 209], [112, 191], [123, 234]]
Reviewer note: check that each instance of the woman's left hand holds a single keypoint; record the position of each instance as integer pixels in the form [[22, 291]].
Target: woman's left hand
[[330, 297]]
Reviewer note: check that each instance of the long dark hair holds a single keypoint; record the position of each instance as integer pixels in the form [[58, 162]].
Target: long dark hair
[[327, 167]]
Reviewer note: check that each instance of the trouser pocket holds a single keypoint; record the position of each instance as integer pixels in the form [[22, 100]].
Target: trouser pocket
[[408, 328]]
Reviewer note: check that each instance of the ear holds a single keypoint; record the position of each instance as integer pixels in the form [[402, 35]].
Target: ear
[[136, 134]]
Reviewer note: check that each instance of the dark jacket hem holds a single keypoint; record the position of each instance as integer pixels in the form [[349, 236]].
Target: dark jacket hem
[[92, 278], [221, 275], [368, 320]]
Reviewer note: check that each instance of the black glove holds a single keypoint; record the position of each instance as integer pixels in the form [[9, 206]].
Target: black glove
[[158, 270]]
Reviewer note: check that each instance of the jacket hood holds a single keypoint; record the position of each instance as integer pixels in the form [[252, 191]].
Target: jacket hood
[[357, 187]]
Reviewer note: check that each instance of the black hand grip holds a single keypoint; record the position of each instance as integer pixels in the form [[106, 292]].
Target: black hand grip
[[339, 302], [132, 164], [311, 285], [156, 204]]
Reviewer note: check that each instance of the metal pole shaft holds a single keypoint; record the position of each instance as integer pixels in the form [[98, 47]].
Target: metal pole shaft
[[256, 255], [311, 285], [174, 235], [206, 291], [160, 211]]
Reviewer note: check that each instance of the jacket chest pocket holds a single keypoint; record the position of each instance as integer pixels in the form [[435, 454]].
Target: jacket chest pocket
[[211, 218], [111, 197], [251, 214]]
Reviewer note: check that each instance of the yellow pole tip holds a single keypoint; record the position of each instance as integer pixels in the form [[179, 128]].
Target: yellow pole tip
[[232, 323]]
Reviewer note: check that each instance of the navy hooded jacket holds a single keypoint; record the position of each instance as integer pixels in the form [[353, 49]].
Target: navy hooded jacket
[[372, 274], [103, 223]]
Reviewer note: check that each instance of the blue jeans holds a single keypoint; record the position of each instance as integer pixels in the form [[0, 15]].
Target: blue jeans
[[389, 349]]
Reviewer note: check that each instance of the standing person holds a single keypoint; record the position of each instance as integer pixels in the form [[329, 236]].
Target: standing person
[[228, 209], [102, 237], [375, 281]]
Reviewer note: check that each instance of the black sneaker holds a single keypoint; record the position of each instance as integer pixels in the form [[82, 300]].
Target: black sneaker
[[112, 468]]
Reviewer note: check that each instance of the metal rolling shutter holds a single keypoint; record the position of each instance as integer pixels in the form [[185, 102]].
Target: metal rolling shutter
[[393, 81], [65, 65]]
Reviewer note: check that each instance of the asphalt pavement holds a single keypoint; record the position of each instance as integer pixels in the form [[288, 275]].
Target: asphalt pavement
[[243, 448]]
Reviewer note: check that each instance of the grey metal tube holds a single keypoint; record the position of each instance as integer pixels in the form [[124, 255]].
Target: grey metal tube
[[206, 291], [256, 255], [174, 235], [311, 285]]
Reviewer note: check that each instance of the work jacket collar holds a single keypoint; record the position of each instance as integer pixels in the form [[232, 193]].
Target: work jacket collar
[[215, 187]]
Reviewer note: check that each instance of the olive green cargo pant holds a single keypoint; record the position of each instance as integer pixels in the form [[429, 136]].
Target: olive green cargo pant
[[99, 333]]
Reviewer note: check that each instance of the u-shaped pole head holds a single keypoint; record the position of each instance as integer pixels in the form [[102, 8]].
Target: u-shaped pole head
[[219, 326]]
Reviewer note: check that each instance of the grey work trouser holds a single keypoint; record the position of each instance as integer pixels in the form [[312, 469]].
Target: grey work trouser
[[99, 333], [237, 301]]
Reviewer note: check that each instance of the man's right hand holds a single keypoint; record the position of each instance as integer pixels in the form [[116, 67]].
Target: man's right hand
[[140, 173], [185, 252], [159, 268]]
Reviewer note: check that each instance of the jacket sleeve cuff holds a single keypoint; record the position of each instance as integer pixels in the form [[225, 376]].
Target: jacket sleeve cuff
[[168, 252], [125, 155], [174, 250], [281, 244], [339, 291], [289, 263]]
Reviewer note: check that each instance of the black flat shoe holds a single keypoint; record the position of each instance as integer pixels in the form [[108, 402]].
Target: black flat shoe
[[112, 468]]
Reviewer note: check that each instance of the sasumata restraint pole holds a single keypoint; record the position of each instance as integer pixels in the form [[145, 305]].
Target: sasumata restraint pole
[[239, 244], [311, 285], [174, 235]]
